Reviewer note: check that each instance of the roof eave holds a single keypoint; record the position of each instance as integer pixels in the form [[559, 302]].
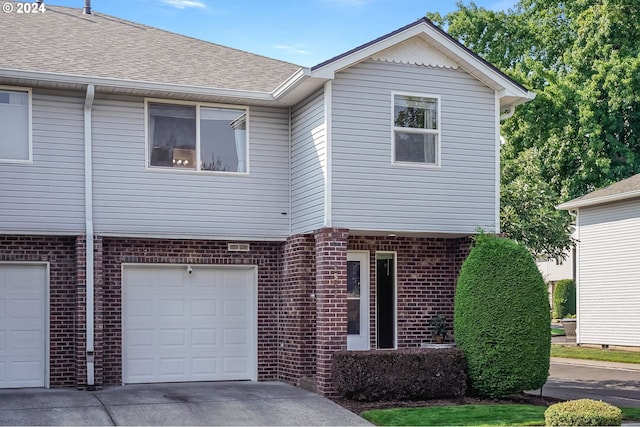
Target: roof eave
[[141, 85], [581, 203]]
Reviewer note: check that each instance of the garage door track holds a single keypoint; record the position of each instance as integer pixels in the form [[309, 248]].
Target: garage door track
[[219, 403]]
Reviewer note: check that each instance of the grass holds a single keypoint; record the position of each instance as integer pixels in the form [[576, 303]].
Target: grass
[[573, 352], [470, 415], [462, 415], [631, 414]]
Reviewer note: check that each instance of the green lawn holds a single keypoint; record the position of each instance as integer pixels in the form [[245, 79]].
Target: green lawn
[[470, 415], [462, 415], [573, 352]]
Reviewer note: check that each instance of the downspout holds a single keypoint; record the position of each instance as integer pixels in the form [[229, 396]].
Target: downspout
[[508, 113], [88, 208]]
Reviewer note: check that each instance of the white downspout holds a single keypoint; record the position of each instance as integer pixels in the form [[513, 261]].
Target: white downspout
[[88, 207], [508, 113]]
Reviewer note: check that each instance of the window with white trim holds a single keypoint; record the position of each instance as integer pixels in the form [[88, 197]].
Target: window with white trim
[[15, 122], [416, 129], [197, 137]]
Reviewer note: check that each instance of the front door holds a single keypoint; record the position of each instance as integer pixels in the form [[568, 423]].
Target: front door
[[357, 300]]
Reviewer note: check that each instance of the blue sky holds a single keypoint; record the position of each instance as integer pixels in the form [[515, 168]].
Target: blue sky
[[305, 32]]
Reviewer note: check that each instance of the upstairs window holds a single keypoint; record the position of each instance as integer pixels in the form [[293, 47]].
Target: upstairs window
[[15, 118], [416, 130], [197, 137]]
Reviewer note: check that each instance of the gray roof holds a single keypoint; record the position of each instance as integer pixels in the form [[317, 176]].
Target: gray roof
[[621, 190], [63, 40]]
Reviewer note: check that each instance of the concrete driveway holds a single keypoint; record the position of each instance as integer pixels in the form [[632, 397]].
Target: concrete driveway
[[215, 403]]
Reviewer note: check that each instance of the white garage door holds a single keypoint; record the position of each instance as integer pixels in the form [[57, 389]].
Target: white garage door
[[22, 325], [188, 327]]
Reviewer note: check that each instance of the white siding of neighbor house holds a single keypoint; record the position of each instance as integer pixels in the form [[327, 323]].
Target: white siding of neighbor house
[[371, 194], [47, 196], [131, 200], [609, 274], [308, 165]]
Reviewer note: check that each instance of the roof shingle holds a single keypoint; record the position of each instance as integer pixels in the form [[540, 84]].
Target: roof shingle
[[63, 40]]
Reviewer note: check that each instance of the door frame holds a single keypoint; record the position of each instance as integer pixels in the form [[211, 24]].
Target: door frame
[[47, 313], [362, 342], [394, 256]]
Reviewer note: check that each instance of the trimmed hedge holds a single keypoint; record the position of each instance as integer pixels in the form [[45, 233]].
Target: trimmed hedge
[[564, 299], [582, 412], [501, 318], [410, 374]]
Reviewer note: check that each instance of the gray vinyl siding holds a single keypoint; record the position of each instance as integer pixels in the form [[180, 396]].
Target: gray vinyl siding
[[369, 193], [308, 159], [132, 200], [47, 196], [609, 274]]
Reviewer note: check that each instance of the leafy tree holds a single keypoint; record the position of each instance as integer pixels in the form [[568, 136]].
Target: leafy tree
[[501, 318], [582, 130]]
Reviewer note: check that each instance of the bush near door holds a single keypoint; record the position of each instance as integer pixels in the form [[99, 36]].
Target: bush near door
[[408, 374]]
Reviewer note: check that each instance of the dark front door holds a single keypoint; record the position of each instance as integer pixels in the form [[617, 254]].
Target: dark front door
[[385, 302]]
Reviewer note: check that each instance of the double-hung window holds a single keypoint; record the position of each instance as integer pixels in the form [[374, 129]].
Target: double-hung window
[[197, 137], [416, 129], [15, 125]]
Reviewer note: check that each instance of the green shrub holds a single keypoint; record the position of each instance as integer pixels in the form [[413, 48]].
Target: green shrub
[[501, 319], [582, 412], [564, 299], [409, 374]]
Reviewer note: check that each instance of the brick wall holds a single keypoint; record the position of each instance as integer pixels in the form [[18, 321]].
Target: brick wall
[[60, 253], [297, 327], [427, 271], [115, 251]]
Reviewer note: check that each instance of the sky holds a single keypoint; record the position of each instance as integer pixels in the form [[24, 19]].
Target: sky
[[303, 32]]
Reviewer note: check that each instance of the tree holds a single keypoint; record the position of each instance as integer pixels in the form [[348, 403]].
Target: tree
[[582, 130], [501, 318]]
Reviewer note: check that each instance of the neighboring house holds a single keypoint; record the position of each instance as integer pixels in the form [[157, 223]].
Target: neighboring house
[[608, 264], [229, 216]]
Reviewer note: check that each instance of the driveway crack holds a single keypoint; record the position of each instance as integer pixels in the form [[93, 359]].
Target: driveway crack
[[106, 409]]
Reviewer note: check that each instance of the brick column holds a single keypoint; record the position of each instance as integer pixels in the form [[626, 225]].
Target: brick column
[[331, 302], [297, 327]]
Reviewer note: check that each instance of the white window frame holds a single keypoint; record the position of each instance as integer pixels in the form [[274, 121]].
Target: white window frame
[[198, 105], [29, 132], [437, 132]]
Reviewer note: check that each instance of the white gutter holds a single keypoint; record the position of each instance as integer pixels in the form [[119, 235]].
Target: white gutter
[[88, 207]]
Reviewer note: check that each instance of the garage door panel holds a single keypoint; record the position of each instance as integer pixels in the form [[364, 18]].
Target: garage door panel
[[194, 329], [22, 325], [204, 337], [204, 309], [172, 338], [172, 309]]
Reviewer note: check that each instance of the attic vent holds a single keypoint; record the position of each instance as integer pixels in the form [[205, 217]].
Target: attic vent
[[238, 247]]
